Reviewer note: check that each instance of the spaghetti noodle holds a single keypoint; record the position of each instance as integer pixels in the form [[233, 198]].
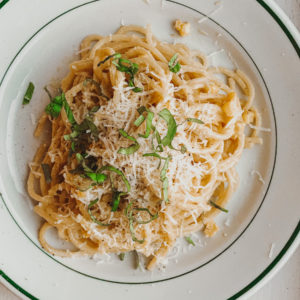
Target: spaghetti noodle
[[145, 139]]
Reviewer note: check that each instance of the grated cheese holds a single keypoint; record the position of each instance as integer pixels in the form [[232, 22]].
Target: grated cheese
[[259, 128], [271, 250], [215, 52], [33, 119], [260, 178], [214, 11]]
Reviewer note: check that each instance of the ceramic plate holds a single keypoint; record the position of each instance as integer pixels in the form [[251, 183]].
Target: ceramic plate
[[261, 230]]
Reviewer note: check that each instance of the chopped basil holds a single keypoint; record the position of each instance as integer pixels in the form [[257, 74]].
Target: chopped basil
[[131, 227], [116, 197], [183, 149], [47, 172], [79, 157], [149, 119], [56, 104], [173, 64], [156, 135], [132, 148], [94, 109], [159, 148], [74, 134], [115, 55], [97, 177], [87, 168], [54, 107], [130, 68], [28, 94], [142, 109], [97, 85], [154, 154], [139, 120], [172, 127], [128, 214], [164, 179], [137, 259], [68, 110], [194, 120], [158, 138], [48, 93], [189, 240], [118, 172], [152, 217], [122, 256], [137, 90], [218, 206], [73, 147], [92, 203], [87, 124]]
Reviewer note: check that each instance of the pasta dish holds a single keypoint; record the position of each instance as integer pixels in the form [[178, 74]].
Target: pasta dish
[[145, 137]]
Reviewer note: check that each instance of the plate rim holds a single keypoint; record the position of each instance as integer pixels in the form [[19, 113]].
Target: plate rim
[[291, 245], [243, 229]]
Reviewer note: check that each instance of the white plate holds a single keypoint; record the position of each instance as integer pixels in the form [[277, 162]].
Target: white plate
[[37, 40]]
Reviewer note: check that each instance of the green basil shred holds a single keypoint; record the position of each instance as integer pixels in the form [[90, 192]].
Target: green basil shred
[[47, 172], [172, 127], [164, 179], [116, 198], [154, 154], [137, 259], [55, 106], [173, 64], [218, 206], [132, 148], [115, 55], [118, 172], [28, 94], [68, 110], [129, 214], [97, 177], [97, 85], [194, 120], [149, 119], [189, 240], [116, 195], [94, 219], [130, 68], [122, 256]]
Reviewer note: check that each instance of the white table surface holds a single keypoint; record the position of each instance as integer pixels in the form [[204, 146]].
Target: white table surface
[[285, 285]]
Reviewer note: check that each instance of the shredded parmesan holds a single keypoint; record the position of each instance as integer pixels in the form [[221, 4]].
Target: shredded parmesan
[[205, 115], [259, 128], [214, 11], [271, 250], [260, 178]]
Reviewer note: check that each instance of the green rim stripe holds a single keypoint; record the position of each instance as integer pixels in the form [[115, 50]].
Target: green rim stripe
[[281, 24], [2, 3], [270, 267], [16, 286]]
